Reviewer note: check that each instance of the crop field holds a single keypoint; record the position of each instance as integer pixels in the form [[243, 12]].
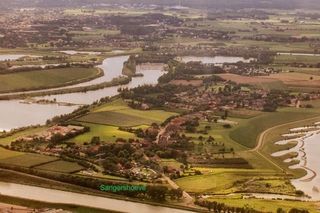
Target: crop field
[[284, 59], [221, 181], [247, 132], [119, 114], [4, 153], [45, 78], [296, 79], [266, 205], [172, 163], [28, 160], [60, 166], [245, 80], [106, 134], [7, 140]]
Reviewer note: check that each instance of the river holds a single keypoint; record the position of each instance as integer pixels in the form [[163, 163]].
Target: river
[[10, 57], [15, 114], [64, 197], [308, 149]]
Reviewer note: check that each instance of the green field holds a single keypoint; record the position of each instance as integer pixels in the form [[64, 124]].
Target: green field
[[28, 160], [283, 59], [61, 166], [5, 153], [106, 134], [41, 79], [226, 181], [266, 205], [119, 114], [7, 140], [247, 132]]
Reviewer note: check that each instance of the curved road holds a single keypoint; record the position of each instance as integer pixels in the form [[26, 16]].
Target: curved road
[[262, 137]]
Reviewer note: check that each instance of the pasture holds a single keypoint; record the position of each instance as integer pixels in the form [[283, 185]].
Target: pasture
[[5, 153], [106, 134], [248, 130], [42, 79], [119, 114], [60, 166], [265, 205], [28, 160], [7, 140], [225, 181]]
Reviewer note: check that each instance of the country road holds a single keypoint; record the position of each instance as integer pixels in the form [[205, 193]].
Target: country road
[[188, 199], [261, 140], [262, 137]]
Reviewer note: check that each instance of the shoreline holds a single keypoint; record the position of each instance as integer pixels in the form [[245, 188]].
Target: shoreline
[[302, 156]]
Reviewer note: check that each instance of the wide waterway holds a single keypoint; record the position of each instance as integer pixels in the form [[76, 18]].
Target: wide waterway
[[64, 197], [307, 149], [15, 114]]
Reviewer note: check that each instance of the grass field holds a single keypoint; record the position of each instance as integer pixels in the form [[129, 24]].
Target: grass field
[[267, 205], [118, 113], [225, 181], [248, 130], [284, 59], [60, 166], [28, 160], [4, 153], [106, 133], [45, 78], [172, 163], [296, 79], [9, 139]]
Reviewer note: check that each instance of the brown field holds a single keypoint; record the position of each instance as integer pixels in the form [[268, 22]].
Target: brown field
[[239, 79], [186, 82], [289, 79], [296, 79]]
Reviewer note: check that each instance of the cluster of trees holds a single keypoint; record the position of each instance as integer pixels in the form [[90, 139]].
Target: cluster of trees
[[185, 71], [221, 207], [153, 192], [143, 94], [129, 67], [58, 138], [81, 111], [153, 58], [275, 99]]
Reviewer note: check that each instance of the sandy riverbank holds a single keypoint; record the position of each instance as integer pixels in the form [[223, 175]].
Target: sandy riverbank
[[307, 151]]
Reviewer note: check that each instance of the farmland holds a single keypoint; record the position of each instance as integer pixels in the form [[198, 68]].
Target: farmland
[[208, 129], [105, 132], [248, 130], [28, 160], [266, 205], [121, 115], [34, 80], [60, 166], [226, 181]]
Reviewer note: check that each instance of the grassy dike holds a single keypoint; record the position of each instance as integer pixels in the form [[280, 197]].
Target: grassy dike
[[39, 205], [47, 79], [31, 180], [115, 82]]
